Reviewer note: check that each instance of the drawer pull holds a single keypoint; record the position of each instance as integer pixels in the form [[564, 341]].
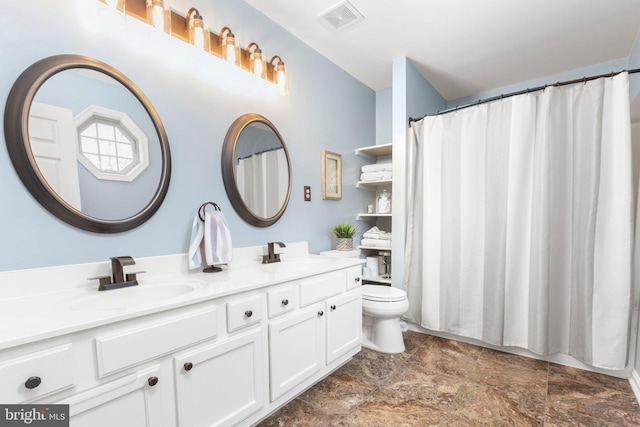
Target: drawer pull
[[357, 279], [320, 313], [188, 366], [285, 302], [32, 382], [333, 307], [152, 381], [248, 313]]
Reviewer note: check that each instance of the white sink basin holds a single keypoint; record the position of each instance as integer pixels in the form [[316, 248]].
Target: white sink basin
[[144, 294]]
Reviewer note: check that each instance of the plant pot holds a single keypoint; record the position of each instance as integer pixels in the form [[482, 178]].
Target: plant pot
[[344, 244]]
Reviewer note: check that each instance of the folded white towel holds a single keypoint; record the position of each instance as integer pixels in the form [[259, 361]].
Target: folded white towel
[[375, 233], [376, 176], [377, 167], [217, 239], [376, 243]]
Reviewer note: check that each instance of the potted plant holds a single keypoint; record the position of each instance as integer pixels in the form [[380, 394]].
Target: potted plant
[[344, 233]]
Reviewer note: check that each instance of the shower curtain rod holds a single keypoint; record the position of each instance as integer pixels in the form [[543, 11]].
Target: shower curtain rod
[[521, 92]]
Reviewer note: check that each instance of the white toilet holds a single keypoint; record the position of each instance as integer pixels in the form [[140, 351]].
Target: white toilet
[[382, 307]]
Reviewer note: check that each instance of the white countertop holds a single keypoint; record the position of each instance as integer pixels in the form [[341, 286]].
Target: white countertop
[[44, 303]]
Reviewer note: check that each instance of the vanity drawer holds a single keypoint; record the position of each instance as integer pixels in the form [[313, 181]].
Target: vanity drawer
[[321, 287], [244, 312], [48, 371], [281, 300], [132, 346], [354, 279]]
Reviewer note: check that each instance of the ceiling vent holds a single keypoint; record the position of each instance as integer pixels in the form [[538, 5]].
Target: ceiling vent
[[341, 16]]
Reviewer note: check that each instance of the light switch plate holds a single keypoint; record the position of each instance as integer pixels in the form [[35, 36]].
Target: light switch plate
[[307, 193]]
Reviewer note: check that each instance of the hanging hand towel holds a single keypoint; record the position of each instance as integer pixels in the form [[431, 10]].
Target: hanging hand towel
[[217, 239], [197, 235]]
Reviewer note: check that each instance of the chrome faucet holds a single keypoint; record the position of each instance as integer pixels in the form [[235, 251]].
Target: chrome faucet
[[118, 278], [271, 255], [117, 267]]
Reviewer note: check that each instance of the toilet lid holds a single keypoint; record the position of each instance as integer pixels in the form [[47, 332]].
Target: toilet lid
[[383, 293]]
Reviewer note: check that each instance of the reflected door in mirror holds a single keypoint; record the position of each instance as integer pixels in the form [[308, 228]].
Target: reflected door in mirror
[[53, 143]]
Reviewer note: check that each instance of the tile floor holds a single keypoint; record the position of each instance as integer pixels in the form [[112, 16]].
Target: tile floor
[[443, 382]]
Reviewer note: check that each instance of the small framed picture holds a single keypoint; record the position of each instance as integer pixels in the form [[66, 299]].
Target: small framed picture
[[331, 175]]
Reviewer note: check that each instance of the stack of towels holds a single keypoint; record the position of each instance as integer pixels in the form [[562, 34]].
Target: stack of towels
[[376, 238], [210, 241], [376, 172]]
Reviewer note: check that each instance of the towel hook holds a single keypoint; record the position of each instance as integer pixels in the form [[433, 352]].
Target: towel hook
[[202, 209]]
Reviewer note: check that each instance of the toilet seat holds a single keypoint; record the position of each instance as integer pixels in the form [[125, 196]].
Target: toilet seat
[[383, 293]]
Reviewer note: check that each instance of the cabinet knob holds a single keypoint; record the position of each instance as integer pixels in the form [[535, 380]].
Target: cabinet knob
[[285, 302], [188, 366], [32, 382], [248, 313], [152, 381], [320, 313], [357, 279], [333, 307]]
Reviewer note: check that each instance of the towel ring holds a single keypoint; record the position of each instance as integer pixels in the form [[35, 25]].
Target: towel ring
[[202, 209]]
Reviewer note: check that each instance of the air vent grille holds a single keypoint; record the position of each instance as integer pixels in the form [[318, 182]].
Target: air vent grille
[[341, 16]]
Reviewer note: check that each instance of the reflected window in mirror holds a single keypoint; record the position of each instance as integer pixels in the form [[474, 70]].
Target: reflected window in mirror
[[110, 144]]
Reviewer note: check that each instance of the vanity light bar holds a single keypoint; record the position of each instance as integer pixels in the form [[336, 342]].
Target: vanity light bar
[[179, 29]]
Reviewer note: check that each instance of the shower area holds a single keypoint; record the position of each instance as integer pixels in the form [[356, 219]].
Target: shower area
[[520, 222]]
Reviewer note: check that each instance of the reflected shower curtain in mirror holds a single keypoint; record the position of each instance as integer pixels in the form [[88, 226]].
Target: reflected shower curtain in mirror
[[520, 223], [263, 181]]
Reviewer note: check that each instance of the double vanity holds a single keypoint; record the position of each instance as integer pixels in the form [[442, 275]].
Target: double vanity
[[183, 347], [148, 342]]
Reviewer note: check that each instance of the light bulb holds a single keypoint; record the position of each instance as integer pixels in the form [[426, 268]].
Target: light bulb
[[198, 37], [257, 67], [282, 81], [231, 53], [158, 17]]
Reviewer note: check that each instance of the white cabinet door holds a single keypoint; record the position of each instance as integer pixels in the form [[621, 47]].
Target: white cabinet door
[[344, 324], [221, 384], [135, 400], [296, 349]]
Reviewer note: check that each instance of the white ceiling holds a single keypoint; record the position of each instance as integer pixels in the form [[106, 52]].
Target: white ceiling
[[464, 47]]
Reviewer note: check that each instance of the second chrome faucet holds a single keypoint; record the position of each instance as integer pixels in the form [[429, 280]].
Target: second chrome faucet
[[271, 255]]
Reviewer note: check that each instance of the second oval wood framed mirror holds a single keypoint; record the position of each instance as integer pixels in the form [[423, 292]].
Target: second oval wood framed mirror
[[256, 170]]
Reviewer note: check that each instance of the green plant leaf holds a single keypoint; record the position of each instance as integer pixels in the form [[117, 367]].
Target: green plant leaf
[[344, 230]]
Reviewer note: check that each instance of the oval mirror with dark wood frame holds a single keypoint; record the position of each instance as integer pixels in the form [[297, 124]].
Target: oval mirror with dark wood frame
[[110, 165], [256, 170]]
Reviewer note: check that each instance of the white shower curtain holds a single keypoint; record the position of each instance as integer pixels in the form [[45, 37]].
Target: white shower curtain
[[263, 181], [519, 228]]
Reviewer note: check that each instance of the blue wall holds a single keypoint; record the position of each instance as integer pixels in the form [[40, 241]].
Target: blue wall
[[197, 97], [383, 117]]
